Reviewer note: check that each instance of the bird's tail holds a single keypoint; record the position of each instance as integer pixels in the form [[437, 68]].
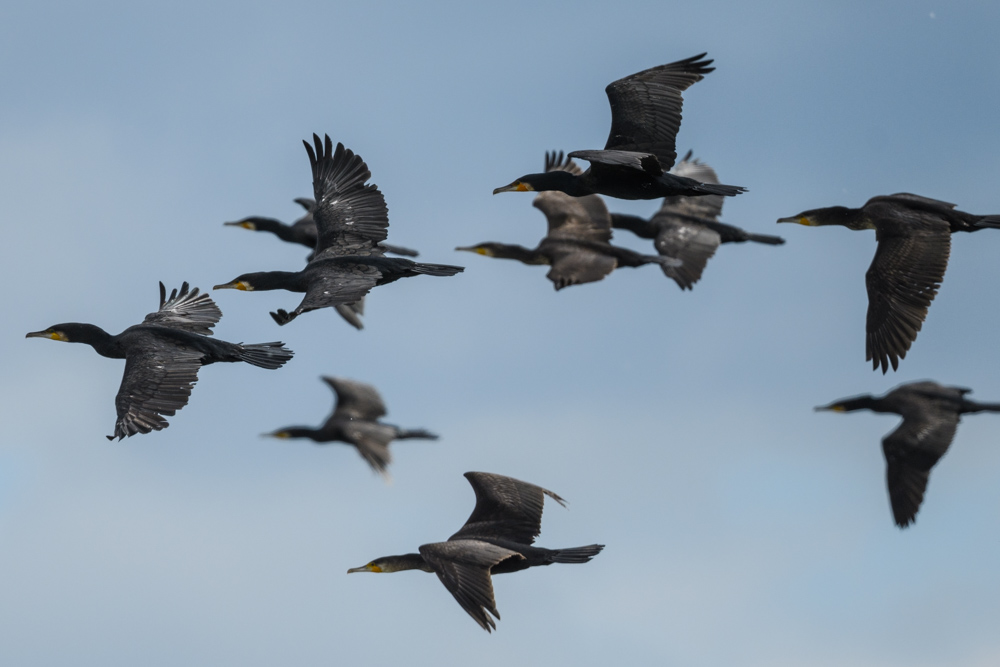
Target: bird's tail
[[989, 221], [266, 355], [973, 406], [577, 554], [719, 189], [436, 269], [412, 433], [765, 238]]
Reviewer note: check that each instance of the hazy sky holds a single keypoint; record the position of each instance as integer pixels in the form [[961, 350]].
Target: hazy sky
[[741, 527]]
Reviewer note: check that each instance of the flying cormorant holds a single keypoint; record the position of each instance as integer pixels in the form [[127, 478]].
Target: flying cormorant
[[497, 538], [930, 413], [645, 118], [577, 246], [913, 234], [351, 218], [688, 228], [355, 421], [162, 356]]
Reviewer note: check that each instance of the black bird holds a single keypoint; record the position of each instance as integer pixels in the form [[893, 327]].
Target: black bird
[[645, 118], [355, 421], [577, 246], [497, 538], [930, 413], [688, 228], [913, 234], [303, 230], [162, 356], [351, 218]]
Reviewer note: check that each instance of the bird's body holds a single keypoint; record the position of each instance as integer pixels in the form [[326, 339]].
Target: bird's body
[[351, 219], [355, 421], [162, 356], [641, 147], [930, 413], [497, 538], [913, 234], [688, 227], [577, 246]]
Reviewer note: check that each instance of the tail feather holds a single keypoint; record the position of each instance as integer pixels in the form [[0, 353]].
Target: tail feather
[[406, 434], [973, 406], [436, 269], [577, 554], [989, 221], [265, 355], [766, 238], [719, 189]]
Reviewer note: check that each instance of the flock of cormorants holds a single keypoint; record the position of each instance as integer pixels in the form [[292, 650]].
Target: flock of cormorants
[[346, 226]]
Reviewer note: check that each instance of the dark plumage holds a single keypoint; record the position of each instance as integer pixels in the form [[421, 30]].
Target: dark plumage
[[355, 421], [497, 538], [930, 413], [351, 219], [162, 356], [914, 239], [577, 246], [645, 118], [688, 228]]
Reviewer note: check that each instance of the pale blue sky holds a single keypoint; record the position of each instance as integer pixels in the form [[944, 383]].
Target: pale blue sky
[[741, 527]]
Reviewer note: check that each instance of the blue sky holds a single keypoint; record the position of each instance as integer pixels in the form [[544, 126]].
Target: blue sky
[[741, 527]]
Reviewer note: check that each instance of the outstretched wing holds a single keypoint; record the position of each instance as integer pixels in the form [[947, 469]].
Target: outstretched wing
[[355, 400], [707, 207], [506, 508], [646, 107], [351, 217], [186, 310], [157, 381], [903, 279], [690, 242], [463, 566], [910, 453]]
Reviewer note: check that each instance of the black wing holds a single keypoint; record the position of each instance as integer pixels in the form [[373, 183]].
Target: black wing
[[186, 310], [351, 217], [332, 284], [912, 450], [646, 108], [463, 566], [506, 508], [690, 242], [355, 400], [903, 279], [158, 380]]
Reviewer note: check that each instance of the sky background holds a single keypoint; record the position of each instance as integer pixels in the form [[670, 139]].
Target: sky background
[[741, 527]]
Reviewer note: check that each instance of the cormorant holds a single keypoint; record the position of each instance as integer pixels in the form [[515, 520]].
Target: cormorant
[[351, 219], [303, 230], [913, 234], [577, 245], [645, 118], [688, 228], [497, 538], [355, 421], [162, 356], [930, 413]]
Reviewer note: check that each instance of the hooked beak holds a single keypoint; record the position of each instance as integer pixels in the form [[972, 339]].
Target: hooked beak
[[833, 407], [54, 335], [801, 219], [236, 284], [240, 223], [363, 568], [516, 186]]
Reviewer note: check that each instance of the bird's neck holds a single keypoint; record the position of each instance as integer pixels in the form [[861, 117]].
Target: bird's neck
[[405, 562], [518, 252], [99, 339], [639, 226], [291, 281], [865, 403], [562, 181]]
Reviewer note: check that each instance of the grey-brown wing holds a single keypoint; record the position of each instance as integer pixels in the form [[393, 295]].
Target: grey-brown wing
[[572, 265], [372, 442], [646, 107], [910, 453], [351, 217], [902, 280], [581, 218], [157, 381], [355, 400], [463, 566], [708, 207], [186, 310], [506, 508], [689, 242]]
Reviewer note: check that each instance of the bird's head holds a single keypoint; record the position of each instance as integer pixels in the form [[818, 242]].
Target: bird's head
[[831, 215], [248, 282], [69, 332], [488, 249], [848, 404], [394, 564], [552, 180]]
